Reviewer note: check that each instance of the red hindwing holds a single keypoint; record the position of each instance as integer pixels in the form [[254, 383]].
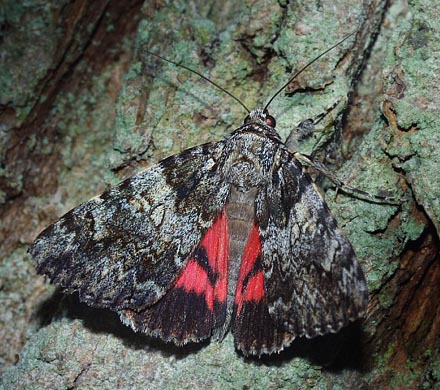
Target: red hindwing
[[206, 272], [253, 328], [250, 284], [196, 304]]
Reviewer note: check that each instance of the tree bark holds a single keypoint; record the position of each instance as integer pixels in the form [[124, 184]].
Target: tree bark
[[83, 105]]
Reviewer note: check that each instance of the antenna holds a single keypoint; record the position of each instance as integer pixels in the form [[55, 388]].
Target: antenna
[[305, 67], [236, 98], [203, 77]]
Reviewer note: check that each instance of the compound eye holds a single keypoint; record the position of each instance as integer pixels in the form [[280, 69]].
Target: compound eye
[[270, 121], [247, 119]]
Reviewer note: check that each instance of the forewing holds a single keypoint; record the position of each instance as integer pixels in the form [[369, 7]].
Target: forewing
[[313, 281], [126, 247]]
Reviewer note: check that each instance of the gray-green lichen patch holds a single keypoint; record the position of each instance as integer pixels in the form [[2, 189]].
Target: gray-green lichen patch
[[299, 42], [79, 127], [377, 236], [412, 95], [52, 360], [169, 106], [173, 109], [28, 48], [28, 41], [85, 143], [17, 269], [367, 222]]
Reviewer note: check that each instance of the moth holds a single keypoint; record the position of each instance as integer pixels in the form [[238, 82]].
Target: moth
[[229, 235]]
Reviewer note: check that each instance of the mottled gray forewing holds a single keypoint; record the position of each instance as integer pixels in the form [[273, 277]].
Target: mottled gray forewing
[[124, 248], [313, 282]]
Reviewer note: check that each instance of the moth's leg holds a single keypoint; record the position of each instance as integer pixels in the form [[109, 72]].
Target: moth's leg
[[320, 167], [306, 129]]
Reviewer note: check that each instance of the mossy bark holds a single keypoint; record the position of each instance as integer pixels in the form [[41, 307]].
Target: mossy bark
[[83, 105]]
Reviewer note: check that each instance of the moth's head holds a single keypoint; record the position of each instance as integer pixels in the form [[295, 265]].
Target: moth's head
[[260, 115]]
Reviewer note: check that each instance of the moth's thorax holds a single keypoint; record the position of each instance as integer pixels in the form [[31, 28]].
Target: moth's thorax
[[251, 150]]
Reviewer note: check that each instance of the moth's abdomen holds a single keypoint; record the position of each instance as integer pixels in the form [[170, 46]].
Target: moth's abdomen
[[241, 215], [240, 212]]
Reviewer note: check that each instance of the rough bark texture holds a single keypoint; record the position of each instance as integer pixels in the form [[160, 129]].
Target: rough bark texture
[[82, 105]]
